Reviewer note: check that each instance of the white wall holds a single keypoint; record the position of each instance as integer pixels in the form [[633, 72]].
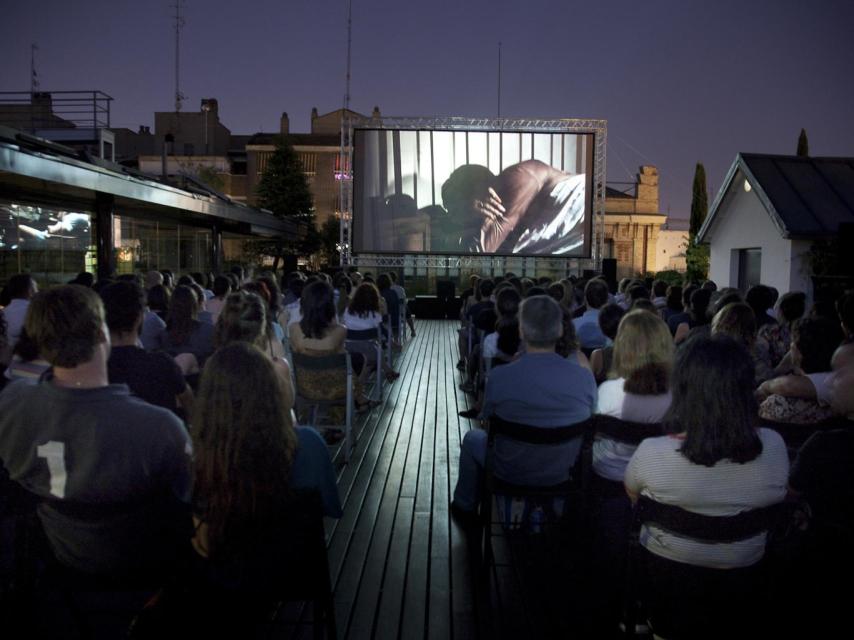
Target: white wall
[[743, 223]]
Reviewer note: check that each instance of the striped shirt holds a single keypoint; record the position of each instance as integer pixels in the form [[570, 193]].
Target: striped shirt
[[660, 471]]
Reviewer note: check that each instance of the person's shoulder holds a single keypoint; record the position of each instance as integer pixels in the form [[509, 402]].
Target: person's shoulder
[[18, 391], [771, 440], [310, 441]]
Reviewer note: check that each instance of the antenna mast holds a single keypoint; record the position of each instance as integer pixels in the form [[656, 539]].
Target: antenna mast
[[499, 79], [349, 49], [179, 24], [343, 174]]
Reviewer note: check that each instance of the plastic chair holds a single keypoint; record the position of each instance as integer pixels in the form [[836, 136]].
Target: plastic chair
[[368, 343], [322, 382], [492, 485]]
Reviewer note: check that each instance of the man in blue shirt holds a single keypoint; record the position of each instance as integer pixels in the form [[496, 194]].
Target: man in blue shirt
[[590, 336], [540, 389]]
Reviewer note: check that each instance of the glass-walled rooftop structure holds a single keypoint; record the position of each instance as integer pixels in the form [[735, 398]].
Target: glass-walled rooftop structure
[[60, 216]]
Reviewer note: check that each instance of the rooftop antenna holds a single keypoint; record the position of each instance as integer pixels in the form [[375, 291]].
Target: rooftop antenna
[[499, 79], [179, 24], [34, 76], [343, 172]]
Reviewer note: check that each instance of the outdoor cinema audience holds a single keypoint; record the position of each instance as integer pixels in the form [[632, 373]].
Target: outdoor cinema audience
[[132, 474]]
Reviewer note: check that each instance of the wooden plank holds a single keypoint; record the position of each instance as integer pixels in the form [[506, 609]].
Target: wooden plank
[[387, 623], [374, 477]]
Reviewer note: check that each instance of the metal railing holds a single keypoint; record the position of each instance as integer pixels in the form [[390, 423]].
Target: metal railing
[[43, 110]]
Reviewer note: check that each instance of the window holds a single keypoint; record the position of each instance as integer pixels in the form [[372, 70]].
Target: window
[[309, 163], [263, 159], [749, 268]]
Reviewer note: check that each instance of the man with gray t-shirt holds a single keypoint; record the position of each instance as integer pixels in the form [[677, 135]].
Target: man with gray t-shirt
[[111, 473]]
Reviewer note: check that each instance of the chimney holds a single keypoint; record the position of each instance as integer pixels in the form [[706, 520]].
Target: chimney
[[284, 124], [376, 113]]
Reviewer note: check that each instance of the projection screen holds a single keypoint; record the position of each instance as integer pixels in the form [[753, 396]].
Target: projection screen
[[463, 192]]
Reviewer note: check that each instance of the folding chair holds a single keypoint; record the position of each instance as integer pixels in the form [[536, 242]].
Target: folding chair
[[492, 485], [368, 342], [714, 594], [323, 382]]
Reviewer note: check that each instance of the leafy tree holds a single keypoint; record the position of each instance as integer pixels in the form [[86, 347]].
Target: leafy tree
[[803, 144], [697, 255], [284, 190], [329, 234], [210, 177]]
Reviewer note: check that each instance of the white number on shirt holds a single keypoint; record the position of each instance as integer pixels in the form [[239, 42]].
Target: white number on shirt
[[54, 453]]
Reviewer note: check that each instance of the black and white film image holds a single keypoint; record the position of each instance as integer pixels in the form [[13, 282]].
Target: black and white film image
[[461, 192]]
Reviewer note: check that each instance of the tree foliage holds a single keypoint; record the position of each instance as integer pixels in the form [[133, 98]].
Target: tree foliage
[[699, 200], [697, 255], [329, 237], [803, 144], [283, 189]]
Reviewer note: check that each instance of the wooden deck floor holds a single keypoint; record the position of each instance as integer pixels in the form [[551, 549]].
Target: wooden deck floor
[[401, 567]]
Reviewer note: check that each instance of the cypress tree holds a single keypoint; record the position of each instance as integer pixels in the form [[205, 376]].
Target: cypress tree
[[699, 200], [803, 144]]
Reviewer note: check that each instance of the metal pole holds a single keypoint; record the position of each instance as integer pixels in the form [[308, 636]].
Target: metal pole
[[343, 169], [499, 79]]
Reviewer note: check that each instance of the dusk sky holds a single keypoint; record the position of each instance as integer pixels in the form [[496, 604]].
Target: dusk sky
[[679, 81]]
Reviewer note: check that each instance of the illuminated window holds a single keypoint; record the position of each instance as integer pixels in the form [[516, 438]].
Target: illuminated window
[[309, 163]]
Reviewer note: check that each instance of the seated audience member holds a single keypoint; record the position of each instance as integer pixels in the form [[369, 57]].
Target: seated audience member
[[567, 345], [761, 298], [738, 321], [716, 463], [277, 314], [392, 304], [698, 319], [152, 279], [638, 292], [620, 297], [184, 333], [244, 319], [159, 299], [111, 471], [26, 361], [274, 331], [600, 360], [638, 388], [557, 291], [541, 389], [154, 377], [249, 456], [221, 289], [291, 310], [823, 475], [507, 303], [364, 313], [404, 307], [203, 314], [20, 290], [673, 303], [659, 295], [318, 333], [801, 397], [774, 338], [343, 290], [288, 296], [587, 329], [674, 320]]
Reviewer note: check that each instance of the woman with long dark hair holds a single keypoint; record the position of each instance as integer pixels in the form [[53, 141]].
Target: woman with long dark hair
[[248, 455], [184, 333], [716, 463], [364, 312], [244, 319]]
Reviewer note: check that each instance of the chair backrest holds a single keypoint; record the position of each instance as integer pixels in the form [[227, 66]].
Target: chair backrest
[[363, 334], [625, 431], [707, 528], [322, 378], [536, 435]]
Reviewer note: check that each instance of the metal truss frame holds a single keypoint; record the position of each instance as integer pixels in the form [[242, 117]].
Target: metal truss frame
[[453, 123]]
